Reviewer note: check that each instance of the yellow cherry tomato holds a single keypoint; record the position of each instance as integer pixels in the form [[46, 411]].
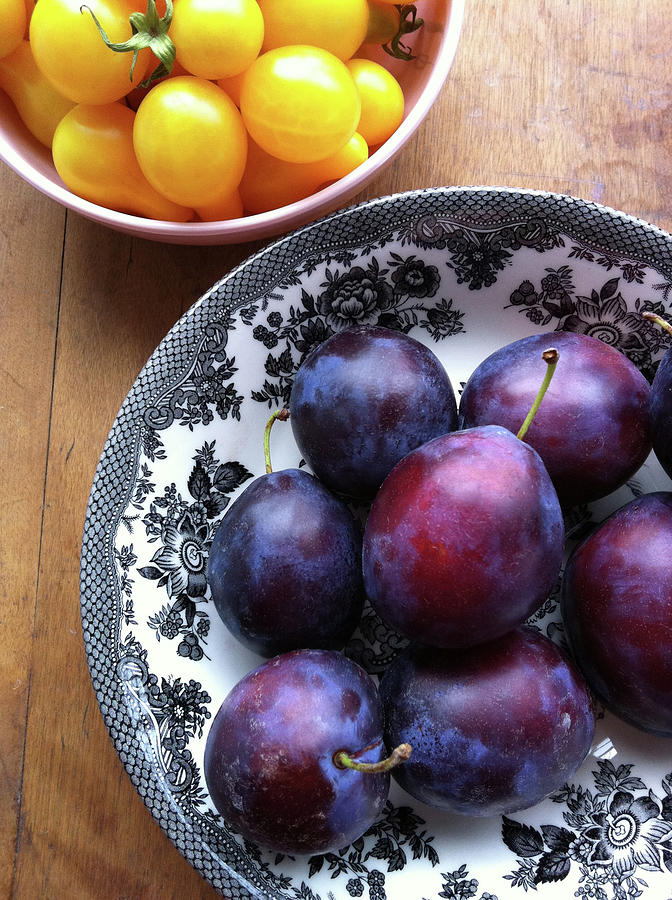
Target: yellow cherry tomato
[[269, 183], [12, 25], [70, 52], [93, 154], [384, 21], [299, 103], [190, 140], [217, 38], [135, 97], [37, 101], [337, 27], [381, 97], [230, 206]]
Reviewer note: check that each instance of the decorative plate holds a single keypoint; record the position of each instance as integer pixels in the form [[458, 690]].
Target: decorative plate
[[465, 271]]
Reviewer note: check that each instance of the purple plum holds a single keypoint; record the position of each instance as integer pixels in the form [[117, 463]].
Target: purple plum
[[364, 399], [617, 610], [285, 566], [271, 757], [592, 430], [464, 539], [661, 404], [494, 729]]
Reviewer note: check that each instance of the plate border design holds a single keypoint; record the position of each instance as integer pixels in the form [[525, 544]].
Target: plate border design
[[595, 225]]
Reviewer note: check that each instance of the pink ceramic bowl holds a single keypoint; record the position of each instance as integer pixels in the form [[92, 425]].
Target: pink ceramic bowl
[[434, 45]]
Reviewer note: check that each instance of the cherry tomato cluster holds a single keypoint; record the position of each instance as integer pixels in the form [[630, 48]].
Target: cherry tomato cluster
[[203, 109]]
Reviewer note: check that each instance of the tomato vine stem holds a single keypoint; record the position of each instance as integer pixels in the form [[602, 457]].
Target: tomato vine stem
[[149, 30]]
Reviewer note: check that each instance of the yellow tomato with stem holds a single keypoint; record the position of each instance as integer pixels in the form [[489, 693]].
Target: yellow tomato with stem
[[382, 100], [190, 140], [37, 101], [70, 52], [93, 154], [269, 183], [12, 25], [337, 27], [217, 38], [299, 103], [384, 22]]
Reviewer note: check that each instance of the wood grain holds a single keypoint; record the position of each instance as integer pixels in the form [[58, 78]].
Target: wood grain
[[564, 95]]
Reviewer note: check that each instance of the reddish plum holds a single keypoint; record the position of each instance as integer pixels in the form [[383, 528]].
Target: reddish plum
[[464, 539], [494, 729], [362, 400], [617, 609], [592, 430], [270, 755]]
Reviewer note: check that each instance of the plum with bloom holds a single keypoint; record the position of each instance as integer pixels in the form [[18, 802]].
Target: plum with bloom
[[592, 430], [275, 755], [364, 399], [494, 729], [464, 539], [617, 609]]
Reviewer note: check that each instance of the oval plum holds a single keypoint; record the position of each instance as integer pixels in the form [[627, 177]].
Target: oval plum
[[285, 566], [494, 729], [362, 400], [661, 413], [464, 539], [269, 756], [592, 430], [617, 610]]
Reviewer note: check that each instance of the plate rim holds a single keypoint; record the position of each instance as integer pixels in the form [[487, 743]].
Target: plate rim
[[577, 218]]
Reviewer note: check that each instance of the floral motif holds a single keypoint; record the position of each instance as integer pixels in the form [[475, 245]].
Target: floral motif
[[603, 315], [412, 277], [627, 834], [182, 560], [396, 832], [186, 529], [612, 835], [207, 385], [356, 297], [394, 297]]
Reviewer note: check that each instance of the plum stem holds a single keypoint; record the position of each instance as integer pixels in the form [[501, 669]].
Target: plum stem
[[283, 415], [658, 320], [550, 357], [399, 755]]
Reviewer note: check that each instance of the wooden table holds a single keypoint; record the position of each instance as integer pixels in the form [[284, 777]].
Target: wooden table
[[564, 95]]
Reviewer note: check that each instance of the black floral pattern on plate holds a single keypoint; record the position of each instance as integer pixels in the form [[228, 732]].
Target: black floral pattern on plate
[[428, 272]]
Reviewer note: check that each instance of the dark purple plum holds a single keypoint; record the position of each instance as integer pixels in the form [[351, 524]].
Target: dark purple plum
[[661, 404], [494, 729], [617, 610], [270, 754], [285, 566], [362, 400], [592, 430], [464, 539], [661, 413]]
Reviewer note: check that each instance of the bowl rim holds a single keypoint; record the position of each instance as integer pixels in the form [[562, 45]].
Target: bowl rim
[[274, 221]]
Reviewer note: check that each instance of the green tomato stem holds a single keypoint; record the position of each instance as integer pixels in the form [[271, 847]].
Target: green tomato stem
[[283, 415], [550, 357], [148, 31], [409, 22], [400, 754], [658, 320]]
